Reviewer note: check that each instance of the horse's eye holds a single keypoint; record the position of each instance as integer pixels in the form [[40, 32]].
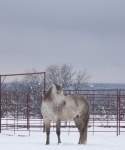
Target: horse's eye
[[57, 92]]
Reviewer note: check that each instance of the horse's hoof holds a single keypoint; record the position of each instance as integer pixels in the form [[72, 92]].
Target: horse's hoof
[[59, 142], [47, 143]]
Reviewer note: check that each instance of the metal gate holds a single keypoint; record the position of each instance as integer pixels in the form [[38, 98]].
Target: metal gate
[[16, 105]]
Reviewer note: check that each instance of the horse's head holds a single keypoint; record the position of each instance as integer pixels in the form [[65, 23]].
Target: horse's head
[[55, 93]]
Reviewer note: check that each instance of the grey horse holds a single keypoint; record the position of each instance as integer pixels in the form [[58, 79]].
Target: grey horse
[[57, 107]]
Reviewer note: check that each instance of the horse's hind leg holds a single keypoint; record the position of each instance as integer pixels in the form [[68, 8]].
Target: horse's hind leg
[[84, 136], [58, 130], [79, 126], [82, 127]]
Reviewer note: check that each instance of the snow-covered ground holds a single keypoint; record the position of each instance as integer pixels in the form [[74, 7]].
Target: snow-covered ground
[[36, 141]]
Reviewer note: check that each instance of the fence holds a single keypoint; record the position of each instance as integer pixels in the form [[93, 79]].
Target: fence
[[20, 112], [13, 104]]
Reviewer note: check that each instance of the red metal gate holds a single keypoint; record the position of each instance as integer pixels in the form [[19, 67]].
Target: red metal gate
[[17, 102]]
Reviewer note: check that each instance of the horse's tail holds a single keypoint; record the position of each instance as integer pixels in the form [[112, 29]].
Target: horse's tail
[[87, 115], [86, 122]]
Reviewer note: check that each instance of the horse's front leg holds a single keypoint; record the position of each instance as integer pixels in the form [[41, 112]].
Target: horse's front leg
[[58, 123], [47, 132]]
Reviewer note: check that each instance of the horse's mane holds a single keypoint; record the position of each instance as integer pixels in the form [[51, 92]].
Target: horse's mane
[[48, 93], [58, 87]]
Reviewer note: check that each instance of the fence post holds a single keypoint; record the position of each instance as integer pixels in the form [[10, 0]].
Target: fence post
[[0, 104], [27, 110], [119, 111], [93, 110], [118, 120]]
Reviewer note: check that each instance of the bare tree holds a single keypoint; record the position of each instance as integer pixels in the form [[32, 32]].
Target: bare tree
[[33, 82], [67, 76], [62, 75], [81, 78]]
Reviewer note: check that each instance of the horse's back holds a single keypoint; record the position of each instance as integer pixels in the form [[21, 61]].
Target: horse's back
[[78, 104], [77, 100]]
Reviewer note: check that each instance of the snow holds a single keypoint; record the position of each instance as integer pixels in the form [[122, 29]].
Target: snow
[[36, 141]]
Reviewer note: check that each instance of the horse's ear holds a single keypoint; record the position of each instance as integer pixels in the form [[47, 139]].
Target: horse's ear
[[61, 85], [53, 85], [53, 88]]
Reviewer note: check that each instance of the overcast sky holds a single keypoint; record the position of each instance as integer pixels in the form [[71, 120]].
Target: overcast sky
[[89, 34]]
